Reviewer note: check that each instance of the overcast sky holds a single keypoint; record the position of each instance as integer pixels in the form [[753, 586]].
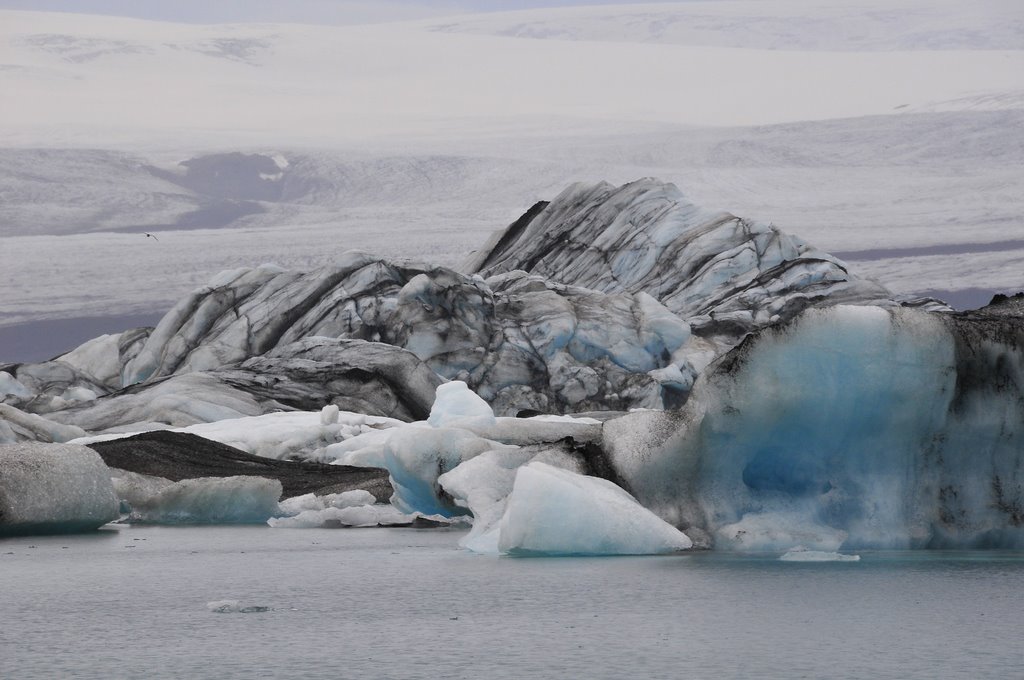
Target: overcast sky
[[301, 11]]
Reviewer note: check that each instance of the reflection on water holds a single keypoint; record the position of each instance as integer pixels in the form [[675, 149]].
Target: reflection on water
[[402, 603]]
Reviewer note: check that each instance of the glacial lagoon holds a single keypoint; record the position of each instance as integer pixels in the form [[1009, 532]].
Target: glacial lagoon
[[132, 602]]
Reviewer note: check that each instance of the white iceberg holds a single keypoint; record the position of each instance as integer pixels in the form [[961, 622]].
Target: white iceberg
[[455, 403], [484, 483], [357, 508], [767, 531], [310, 501], [53, 488], [211, 500], [350, 516], [556, 512], [416, 456], [133, 488]]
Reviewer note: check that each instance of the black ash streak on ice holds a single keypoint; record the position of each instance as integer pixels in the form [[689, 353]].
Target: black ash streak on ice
[[179, 455]]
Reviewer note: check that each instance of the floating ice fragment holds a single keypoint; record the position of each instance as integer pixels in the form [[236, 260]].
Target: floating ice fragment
[[777, 531], [346, 499], [290, 507], [134, 489], [211, 500], [416, 456], [556, 512], [802, 554], [351, 516], [233, 607], [484, 483]]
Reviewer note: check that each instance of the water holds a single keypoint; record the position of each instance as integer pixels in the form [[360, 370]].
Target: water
[[404, 603]]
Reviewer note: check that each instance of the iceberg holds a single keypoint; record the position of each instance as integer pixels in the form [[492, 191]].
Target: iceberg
[[210, 500], [556, 512], [416, 456], [133, 488], [368, 515], [484, 483], [850, 426], [356, 508], [53, 488], [455, 404], [311, 501], [766, 531]]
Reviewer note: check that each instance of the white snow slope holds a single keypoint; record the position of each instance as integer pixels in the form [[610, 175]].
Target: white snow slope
[[880, 131]]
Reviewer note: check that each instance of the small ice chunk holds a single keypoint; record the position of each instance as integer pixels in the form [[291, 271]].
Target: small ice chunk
[[211, 500], [777, 531], [307, 519], [370, 516], [352, 516], [349, 499], [557, 512], [454, 402], [329, 414], [802, 554], [296, 505], [416, 456], [133, 488], [78, 394], [234, 607], [290, 507], [9, 385]]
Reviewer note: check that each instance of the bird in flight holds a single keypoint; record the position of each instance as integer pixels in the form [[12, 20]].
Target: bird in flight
[[152, 237]]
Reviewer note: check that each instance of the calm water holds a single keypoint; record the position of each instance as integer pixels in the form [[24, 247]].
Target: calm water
[[402, 603]]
